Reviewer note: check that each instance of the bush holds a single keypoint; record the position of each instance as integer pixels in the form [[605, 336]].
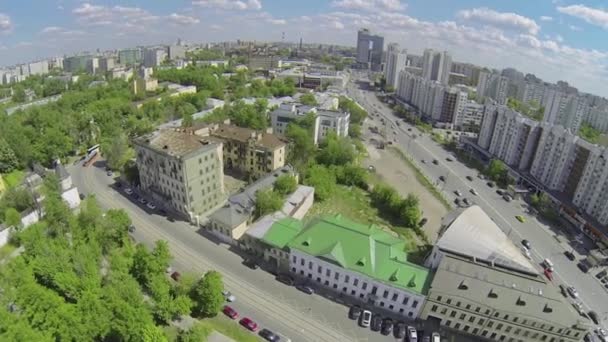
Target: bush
[[285, 185], [322, 179]]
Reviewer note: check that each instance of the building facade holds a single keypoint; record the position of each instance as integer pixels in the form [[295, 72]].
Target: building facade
[[181, 171], [369, 49], [395, 63], [436, 66], [494, 86]]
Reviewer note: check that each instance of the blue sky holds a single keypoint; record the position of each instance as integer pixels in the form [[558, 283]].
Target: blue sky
[[555, 39]]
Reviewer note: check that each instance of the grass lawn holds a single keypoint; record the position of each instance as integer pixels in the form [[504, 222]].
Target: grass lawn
[[14, 178], [6, 250], [227, 327], [355, 204]]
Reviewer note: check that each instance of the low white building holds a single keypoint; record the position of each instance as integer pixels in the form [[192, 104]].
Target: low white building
[[360, 261], [326, 121]]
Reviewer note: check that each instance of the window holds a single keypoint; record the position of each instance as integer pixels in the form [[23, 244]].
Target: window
[[385, 294], [484, 333], [457, 326], [352, 293], [499, 326], [346, 278], [355, 282], [490, 324], [449, 301], [462, 316], [434, 308], [453, 313], [374, 290], [447, 323], [336, 275], [415, 304], [405, 300], [468, 306], [481, 321], [327, 272], [439, 298], [472, 319], [294, 258], [310, 265], [475, 331], [364, 286], [319, 269], [508, 328], [466, 328], [506, 317]]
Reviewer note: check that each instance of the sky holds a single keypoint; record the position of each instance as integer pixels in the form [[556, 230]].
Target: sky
[[554, 39]]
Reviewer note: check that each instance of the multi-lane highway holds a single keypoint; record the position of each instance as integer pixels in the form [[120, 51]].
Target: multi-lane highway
[[542, 237]]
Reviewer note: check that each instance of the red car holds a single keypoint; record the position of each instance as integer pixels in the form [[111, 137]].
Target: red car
[[249, 324], [548, 274], [230, 312]]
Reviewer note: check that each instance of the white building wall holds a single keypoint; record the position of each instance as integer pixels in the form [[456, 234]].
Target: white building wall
[[356, 285], [553, 157]]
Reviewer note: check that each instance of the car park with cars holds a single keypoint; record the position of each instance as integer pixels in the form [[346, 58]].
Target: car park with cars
[[249, 324], [366, 317], [354, 312], [230, 312], [269, 335]]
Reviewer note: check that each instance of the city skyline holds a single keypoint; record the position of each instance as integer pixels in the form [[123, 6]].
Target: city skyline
[[557, 40]]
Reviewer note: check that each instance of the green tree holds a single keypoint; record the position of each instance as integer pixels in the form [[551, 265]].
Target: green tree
[[496, 170], [322, 179], [197, 333], [267, 201], [18, 94], [586, 131], [207, 295], [8, 159], [285, 185], [12, 218], [308, 99], [117, 152], [336, 151], [302, 146], [409, 211], [350, 175]]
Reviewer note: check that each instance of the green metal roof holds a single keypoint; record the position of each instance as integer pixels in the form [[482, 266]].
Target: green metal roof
[[365, 249], [282, 231]]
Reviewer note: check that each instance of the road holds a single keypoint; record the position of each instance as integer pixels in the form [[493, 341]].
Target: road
[[275, 306], [541, 236]]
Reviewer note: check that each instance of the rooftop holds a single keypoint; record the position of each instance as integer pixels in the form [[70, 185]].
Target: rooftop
[[232, 132], [365, 249], [175, 143], [521, 295], [240, 206], [491, 244], [282, 232]]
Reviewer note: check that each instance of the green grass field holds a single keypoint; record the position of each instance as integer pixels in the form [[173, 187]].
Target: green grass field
[[14, 178]]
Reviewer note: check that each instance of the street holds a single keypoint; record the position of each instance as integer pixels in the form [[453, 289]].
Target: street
[[271, 304], [542, 237]]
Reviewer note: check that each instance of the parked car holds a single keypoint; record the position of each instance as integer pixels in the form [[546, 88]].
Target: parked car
[[569, 255], [583, 267], [399, 330], [435, 161], [466, 201], [176, 276], [548, 264], [435, 337], [594, 317], [230, 312], [458, 193], [469, 178], [473, 191], [490, 184], [354, 312], [306, 289], [412, 334], [573, 292], [579, 307], [128, 191], [251, 264], [143, 200], [526, 252], [520, 218], [563, 290], [387, 326], [449, 159], [269, 335], [109, 173], [457, 201], [526, 244], [366, 317], [423, 222], [131, 228], [285, 279], [442, 178], [249, 324], [376, 323], [229, 296], [151, 205], [507, 198]]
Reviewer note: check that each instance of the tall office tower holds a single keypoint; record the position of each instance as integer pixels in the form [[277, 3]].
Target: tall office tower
[[395, 63], [436, 66], [494, 86], [369, 49]]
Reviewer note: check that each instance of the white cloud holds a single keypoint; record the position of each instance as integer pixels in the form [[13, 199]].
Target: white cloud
[[276, 21], [559, 38], [50, 29], [591, 15], [6, 24], [183, 19], [240, 5], [369, 5], [121, 16], [545, 18], [575, 28], [60, 31], [215, 27], [500, 19], [23, 44]]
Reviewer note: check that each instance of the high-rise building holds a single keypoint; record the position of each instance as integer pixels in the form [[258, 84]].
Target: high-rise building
[[469, 118], [452, 105], [106, 64], [38, 68], [395, 62], [554, 156], [154, 57], [436, 66], [130, 56], [564, 109], [591, 195], [177, 52], [76, 63], [494, 86], [369, 49]]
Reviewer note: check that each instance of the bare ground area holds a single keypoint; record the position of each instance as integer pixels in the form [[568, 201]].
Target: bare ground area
[[393, 171]]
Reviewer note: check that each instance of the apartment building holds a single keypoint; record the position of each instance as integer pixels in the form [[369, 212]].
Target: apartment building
[[130, 57], [325, 121], [181, 171], [555, 154], [360, 261], [567, 110], [452, 105], [153, 57], [591, 194], [246, 150], [484, 286], [469, 118], [436, 66], [395, 63], [494, 86]]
